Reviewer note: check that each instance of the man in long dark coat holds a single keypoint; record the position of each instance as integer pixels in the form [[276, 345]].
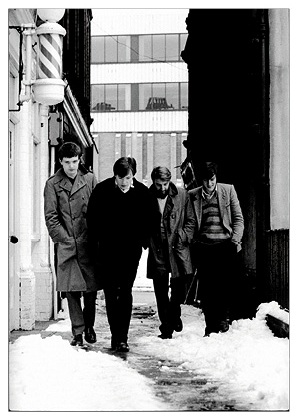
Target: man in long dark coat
[[172, 223], [117, 219], [66, 197]]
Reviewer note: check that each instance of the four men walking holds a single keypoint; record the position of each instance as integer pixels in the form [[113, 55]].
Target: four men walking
[[99, 231]]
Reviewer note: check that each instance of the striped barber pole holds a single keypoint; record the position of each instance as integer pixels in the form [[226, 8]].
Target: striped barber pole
[[50, 56]]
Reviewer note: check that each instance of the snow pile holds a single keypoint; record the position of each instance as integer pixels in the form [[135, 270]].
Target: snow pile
[[49, 375], [272, 308], [249, 362]]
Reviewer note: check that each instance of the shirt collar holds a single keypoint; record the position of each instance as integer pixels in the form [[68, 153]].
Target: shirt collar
[[131, 186], [205, 195]]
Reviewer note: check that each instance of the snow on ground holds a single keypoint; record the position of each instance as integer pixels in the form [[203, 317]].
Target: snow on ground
[[49, 375], [251, 364]]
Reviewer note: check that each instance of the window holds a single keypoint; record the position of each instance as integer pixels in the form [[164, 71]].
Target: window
[[111, 97], [123, 49], [137, 48], [145, 93], [110, 49], [145, 48], [139, 97], [97, 98], [97, 49], [172, 47], [172, 95], [183, 38], [184, 95], [159, 47], [124, 98]]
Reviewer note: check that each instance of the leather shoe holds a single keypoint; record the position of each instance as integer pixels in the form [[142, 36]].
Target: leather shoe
[[178, 326], [114, 343], [224, 326], [90, 335], [122, 347], [164, 336], [77, 340]]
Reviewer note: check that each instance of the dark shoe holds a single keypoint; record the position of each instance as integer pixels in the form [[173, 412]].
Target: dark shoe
[[122, 347], [77, 340], [90, 335], [165, 336], [178, 326], [114, 344], [224, 326]]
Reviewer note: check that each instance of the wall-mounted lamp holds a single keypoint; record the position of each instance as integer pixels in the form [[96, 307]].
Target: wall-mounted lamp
[[48, 89]]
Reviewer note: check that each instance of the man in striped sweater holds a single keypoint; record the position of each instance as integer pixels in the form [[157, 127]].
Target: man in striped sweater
[[217, 242]]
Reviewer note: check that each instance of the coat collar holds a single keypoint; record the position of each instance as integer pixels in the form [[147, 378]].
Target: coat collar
[[172, 189], [65, 183]]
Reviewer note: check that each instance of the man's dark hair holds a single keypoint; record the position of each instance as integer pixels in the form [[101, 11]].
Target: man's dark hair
[[123, 165], [69, 150], [161, 172], [208, 170]]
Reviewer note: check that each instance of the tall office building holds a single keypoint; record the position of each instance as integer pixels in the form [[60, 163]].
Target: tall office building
[[139, 89]]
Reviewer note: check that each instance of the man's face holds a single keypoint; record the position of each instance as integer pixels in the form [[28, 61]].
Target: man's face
[[124, 183], [70, 166], [209, 184], [162, 187]]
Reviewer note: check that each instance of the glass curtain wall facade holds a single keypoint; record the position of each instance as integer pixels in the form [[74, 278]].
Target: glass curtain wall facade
[[136, 96]]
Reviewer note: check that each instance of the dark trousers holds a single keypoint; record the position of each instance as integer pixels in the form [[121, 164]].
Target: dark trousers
[[118, 295], [168, 304], [217, 268], [81, 318]]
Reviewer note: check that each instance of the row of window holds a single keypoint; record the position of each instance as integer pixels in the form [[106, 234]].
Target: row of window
[[137, 48], [139, 97]]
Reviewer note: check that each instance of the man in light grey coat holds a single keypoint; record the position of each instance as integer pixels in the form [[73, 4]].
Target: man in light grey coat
[[172, 224], [66, 197], [217, 241]]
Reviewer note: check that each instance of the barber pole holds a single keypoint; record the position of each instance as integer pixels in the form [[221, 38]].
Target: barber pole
[[50, 56], [49, 87]]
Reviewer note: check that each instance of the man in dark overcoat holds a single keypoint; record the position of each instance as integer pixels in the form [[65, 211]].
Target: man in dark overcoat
[[172, 224], [117, 219], [66, 196]]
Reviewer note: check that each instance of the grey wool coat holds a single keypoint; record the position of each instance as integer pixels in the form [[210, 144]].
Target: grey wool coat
[[179, 223], [65, 208]]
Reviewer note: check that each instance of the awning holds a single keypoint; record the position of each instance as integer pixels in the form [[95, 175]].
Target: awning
[[74, 114]]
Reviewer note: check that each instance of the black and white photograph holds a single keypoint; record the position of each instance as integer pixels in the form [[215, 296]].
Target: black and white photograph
[[149, 209]]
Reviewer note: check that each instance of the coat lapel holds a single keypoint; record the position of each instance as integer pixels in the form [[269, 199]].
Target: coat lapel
[[78, 184], [197, 203], [221, 199]]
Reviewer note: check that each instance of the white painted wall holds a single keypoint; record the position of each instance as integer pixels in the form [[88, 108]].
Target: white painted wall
[[279, 118]]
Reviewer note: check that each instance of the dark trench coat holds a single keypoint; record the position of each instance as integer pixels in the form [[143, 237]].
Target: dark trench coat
[[179, 223], [65, 208]]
